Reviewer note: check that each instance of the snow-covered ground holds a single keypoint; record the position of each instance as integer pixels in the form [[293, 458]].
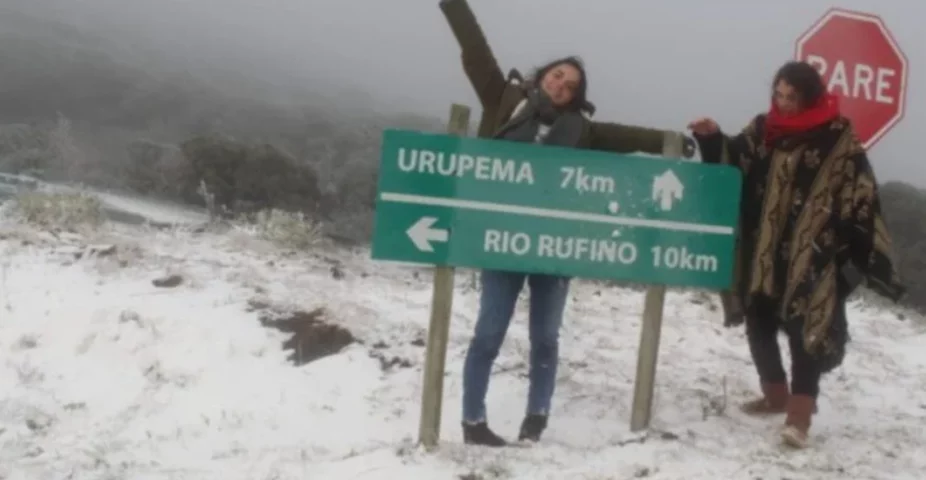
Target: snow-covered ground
[[106, 376]]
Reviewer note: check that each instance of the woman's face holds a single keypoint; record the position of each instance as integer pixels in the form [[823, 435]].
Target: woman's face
[[787, 98], [560, 84]]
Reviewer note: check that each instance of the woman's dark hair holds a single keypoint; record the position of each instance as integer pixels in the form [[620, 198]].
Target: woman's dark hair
[[805, 79], [580, 101]]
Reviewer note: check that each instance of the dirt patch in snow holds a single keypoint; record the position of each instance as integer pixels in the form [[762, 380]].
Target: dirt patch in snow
[[312, 337]]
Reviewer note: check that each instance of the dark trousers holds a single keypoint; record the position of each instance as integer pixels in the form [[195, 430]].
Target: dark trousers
[[732, 309], [763, 325], [762, 333]]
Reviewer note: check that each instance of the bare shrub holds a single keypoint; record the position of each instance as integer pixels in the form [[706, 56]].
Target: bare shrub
[[286, 229]]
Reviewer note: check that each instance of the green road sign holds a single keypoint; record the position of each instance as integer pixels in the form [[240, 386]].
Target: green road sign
[[468, 202]]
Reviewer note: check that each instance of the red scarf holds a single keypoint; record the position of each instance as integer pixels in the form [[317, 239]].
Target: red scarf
[[778, 124]]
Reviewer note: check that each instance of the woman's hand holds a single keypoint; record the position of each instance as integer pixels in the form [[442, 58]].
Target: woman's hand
[[704, 126]]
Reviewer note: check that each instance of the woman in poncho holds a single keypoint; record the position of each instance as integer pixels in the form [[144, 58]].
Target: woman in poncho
[[809, 206]]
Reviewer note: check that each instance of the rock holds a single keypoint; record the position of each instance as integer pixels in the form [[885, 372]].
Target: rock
[[169, 281], [96, 251], [336, 272]]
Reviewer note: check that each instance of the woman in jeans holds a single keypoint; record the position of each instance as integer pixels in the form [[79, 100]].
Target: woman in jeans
[[550, 109]]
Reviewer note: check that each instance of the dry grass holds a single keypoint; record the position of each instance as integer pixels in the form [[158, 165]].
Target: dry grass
[[68, 211]]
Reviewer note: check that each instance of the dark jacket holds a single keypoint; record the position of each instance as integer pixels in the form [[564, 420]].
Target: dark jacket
[[499, 96]]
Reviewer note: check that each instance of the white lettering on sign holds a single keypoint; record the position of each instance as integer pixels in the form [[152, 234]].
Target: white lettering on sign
[[479, 167], [581, 181], [560, 248], [498, 241], [857, 80], [679, 258], [579, 248]]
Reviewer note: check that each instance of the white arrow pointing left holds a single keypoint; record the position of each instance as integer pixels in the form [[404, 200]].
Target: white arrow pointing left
[[422, 234]]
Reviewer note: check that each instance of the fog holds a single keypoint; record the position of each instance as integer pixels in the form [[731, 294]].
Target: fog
[[654, 63]]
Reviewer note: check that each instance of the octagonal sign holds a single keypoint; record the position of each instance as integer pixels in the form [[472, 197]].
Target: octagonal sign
[[861, 62]]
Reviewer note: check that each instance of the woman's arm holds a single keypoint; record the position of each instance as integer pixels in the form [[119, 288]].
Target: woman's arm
[[868, 239], [731, 150], [479, 63], [618, 138]]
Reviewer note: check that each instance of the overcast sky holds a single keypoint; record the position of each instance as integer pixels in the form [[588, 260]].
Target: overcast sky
[[651, 62]]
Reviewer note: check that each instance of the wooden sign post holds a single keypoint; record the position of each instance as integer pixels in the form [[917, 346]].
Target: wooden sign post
[[651, 328], [432, 393]]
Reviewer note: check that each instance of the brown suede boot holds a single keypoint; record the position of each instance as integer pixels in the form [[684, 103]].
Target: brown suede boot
[[797, 423], [774, 400]]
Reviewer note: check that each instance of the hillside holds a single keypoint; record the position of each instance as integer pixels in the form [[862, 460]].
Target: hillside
[[904, 206], [85, 108]]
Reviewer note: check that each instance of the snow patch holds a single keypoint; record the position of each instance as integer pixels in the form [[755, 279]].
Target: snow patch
[[105, 375]]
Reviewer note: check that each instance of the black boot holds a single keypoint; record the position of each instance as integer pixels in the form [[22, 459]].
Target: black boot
[[532, 427], [481, 434]]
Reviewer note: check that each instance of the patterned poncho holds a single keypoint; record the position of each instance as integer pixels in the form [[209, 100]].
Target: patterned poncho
[[810, 205]]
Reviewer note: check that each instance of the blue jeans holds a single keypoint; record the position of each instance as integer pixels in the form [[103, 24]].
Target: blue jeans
[[500, 291]]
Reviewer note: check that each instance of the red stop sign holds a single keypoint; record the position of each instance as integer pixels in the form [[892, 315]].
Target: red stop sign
[[862, 63]]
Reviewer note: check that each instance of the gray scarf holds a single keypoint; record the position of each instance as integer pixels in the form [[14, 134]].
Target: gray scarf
[[565, 127]]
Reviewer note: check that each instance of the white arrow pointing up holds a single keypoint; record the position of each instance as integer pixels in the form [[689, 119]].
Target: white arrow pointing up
[[422, 234], [666, 188]]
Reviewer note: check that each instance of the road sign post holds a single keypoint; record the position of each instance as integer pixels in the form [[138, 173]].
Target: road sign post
[[453, 201], [422, 234], [863, 64], [650, 333]]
